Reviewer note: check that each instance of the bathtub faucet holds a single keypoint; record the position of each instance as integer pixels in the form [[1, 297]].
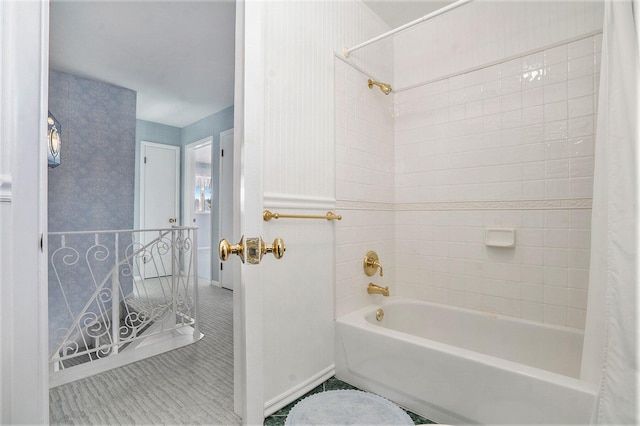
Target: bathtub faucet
[[376, 289], [372, 264]]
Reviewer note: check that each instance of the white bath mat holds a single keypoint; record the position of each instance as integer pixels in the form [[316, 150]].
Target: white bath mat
[[346, 407]]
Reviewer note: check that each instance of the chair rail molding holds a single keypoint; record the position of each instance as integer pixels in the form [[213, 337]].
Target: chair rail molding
[[274, 200]]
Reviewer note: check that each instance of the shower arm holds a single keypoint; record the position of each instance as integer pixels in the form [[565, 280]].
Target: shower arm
[[386, 88]]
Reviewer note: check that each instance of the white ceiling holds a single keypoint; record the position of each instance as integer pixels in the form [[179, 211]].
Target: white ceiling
[[177, 55], [398, 12]]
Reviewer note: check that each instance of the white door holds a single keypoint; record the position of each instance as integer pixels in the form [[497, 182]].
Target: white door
[[159, 198], [228, 186], [198, 202], [248, 316]]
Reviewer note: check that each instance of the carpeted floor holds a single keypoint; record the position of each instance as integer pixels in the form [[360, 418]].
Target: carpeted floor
[[190, 385]]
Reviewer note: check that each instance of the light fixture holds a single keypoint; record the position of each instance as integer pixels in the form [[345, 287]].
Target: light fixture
[[53, 141]]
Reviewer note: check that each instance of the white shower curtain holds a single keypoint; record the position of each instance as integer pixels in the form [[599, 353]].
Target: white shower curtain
[[610, 356]]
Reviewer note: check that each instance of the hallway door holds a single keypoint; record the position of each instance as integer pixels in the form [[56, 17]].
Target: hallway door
[[159, 197]]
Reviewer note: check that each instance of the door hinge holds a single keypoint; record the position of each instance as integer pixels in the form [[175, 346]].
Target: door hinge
[[145, 160], [41, 243], [222, 153]]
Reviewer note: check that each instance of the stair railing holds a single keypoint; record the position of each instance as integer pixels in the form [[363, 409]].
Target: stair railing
[[153, 292]]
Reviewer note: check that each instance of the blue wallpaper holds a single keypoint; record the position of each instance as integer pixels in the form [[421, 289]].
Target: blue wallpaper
[[93, 188]]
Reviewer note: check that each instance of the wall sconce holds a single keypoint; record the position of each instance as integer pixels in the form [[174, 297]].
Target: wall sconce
[[53, 141]]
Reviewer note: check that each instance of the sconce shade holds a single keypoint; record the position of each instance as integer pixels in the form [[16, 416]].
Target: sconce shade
[[53, 141]]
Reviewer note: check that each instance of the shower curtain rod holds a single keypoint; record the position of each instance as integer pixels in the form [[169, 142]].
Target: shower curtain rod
[[346, 52]]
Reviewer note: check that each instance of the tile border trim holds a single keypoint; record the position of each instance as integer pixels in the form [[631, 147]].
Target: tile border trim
[[557, 204]]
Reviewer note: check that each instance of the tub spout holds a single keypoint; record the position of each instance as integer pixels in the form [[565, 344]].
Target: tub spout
[[376, 289]]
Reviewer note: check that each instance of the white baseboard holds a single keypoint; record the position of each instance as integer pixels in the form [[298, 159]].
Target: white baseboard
[[296, 392]]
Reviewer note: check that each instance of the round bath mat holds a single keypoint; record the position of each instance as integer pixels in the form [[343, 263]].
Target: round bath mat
[[346, 407]]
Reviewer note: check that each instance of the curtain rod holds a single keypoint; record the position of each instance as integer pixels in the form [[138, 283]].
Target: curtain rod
[[346, 52]]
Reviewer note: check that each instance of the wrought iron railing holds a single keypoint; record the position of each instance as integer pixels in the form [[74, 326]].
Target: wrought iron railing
[[112, 291]]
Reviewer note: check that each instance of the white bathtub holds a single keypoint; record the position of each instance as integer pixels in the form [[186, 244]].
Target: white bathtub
[[456, 366]]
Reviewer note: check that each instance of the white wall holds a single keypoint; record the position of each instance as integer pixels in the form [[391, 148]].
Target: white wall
[[299, 42], [364, 186], [509, 146], [494, 109], [23, 301], [485, 31]]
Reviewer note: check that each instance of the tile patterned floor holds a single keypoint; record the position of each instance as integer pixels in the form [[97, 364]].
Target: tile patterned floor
[[278, 418]]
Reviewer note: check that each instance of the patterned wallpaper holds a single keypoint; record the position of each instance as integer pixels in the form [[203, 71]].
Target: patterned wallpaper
[[93, 188]]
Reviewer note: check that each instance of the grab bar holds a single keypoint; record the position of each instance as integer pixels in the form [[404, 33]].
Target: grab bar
[[267, 216]]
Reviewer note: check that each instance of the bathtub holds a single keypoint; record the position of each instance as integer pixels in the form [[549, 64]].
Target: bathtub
[[459, 366]]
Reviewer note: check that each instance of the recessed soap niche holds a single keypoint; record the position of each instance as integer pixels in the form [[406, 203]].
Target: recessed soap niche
[[500, 237]]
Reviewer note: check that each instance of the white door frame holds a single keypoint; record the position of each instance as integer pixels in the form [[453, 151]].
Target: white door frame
[[187, 191], [143, 146], [25, 395], [24, 87], [189, 182], [229, 193], [248, 314]]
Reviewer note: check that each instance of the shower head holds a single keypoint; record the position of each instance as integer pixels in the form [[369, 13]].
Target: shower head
[[386, 89]]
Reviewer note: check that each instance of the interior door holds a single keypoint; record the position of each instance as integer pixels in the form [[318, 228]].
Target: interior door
[[199, 202], [247, 298], [159, 198]]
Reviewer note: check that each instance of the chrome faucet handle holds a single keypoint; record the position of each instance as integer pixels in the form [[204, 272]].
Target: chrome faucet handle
[[372, 263]]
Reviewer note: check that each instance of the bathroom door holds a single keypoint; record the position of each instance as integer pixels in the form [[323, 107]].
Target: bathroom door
[[248, 312]]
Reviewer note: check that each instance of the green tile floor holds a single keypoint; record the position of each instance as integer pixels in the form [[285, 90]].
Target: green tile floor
[[278, 418]]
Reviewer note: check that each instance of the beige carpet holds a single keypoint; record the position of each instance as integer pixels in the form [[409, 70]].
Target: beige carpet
[[190, 385]]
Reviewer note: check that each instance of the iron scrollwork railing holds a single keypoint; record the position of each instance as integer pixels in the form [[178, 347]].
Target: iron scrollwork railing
[[108, 290]]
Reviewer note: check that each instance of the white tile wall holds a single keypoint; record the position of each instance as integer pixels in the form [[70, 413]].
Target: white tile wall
[[524, 132], [485, 31], [441, 256], [364, 174], [516, 131], [531, 139]]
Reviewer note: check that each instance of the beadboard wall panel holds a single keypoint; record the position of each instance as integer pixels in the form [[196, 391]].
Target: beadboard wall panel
[[300, 42]]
